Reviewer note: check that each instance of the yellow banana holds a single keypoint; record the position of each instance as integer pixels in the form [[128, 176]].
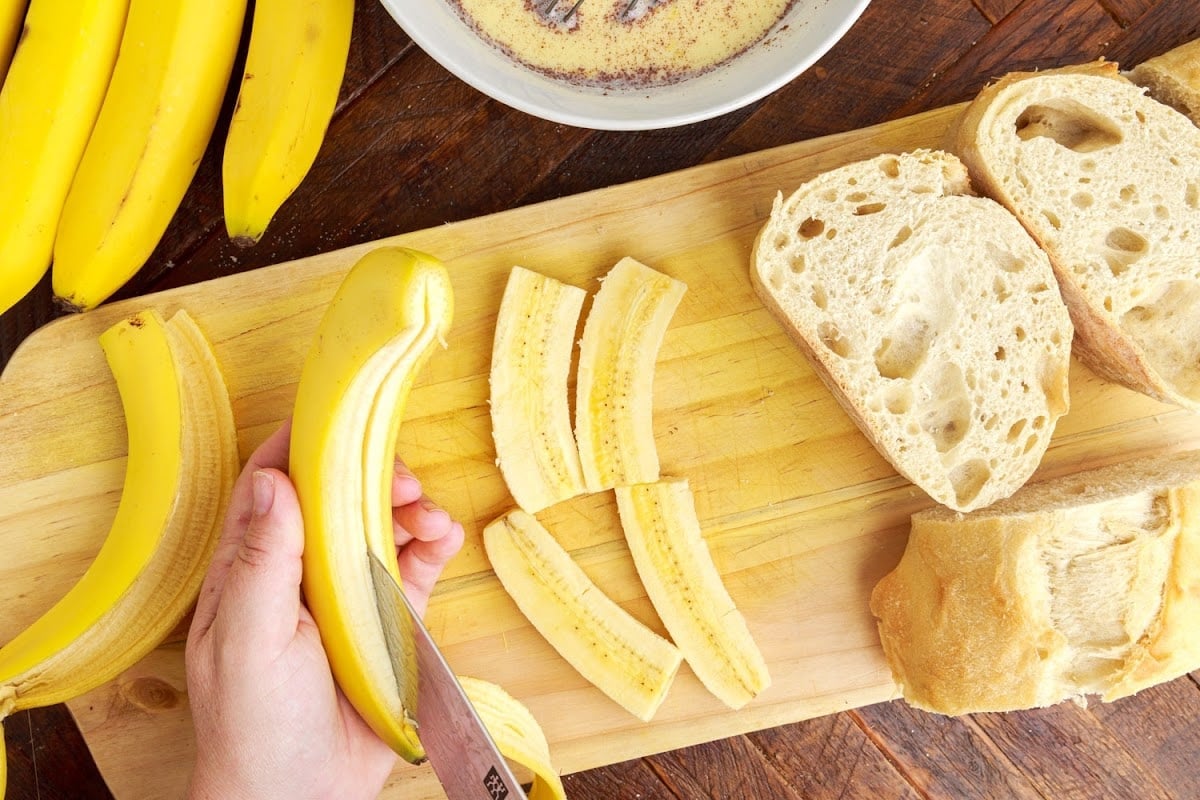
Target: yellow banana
[[391, 309], [531, 360], [614, 390], [156, 120], [12, 17], [48, 105], [605, 643], [517, 735], [674, 563], [182, 462], [294, 69]]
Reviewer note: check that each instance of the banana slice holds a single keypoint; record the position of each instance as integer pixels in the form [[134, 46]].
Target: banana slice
[[614, 389], [390, 311], [517, 735], [682, 582], [623, 658], [183, 459], [531, 360]]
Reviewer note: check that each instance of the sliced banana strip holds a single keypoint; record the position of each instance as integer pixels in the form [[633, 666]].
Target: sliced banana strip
[[614, 389], [686, 589], [517, 735], [623, 658], [531, 361]]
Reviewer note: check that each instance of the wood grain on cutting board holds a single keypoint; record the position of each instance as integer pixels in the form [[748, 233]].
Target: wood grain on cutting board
[[801, 513]]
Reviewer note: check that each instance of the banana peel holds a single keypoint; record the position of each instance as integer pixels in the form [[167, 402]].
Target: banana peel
[[393, 307], [182, 462], [517, 735]]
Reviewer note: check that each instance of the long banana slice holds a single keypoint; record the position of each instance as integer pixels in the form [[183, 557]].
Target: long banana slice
[[531, 361], [183, 459], [517, 735], [614, 389], [677, 570], [294, 68], [392, 308], [158, 115], [623, 658], [48, 106]]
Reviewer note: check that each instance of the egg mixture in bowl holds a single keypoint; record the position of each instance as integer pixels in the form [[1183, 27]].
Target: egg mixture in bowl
[[626, 64]]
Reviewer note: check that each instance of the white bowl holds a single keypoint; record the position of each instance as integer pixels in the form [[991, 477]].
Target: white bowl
[[804, 34]]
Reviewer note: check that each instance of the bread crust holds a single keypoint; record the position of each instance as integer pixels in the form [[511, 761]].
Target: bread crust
[[1173, 78], [1156, 260], [979, 615]]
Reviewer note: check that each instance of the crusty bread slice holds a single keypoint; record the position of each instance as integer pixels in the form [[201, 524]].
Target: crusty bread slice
[[1173, 78], [1108, 181], [931, 315], [1087, 584]]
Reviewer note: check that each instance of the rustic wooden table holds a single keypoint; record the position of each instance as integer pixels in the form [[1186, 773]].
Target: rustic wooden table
[[412, 147]]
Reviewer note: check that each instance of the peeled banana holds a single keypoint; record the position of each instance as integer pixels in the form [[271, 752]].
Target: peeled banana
[[390, 311], [677, 570], [294, 69], [183, 459], [614, 389], [162, 104], [623, 658], [531, 360], [516, 733], [48, 106]]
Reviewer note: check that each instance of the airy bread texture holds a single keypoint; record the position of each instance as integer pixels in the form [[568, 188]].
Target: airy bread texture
[[931, 315], [1088, 584], [1173, 78], [1108, 181]]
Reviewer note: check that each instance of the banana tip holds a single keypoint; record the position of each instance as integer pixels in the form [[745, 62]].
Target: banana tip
[[68, 305]]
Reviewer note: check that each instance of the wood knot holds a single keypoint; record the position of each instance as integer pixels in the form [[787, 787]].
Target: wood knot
[[150, 694]]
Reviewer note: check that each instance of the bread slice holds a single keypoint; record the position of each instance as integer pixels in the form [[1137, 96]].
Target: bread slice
[[931, 315], [1087, 584], [1108, 181], [1173, 78]]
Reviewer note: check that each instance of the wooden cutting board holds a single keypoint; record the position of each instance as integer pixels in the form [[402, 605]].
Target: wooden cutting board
[[802, 515]]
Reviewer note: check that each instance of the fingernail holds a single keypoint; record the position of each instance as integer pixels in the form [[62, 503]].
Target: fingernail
[[264, 492]]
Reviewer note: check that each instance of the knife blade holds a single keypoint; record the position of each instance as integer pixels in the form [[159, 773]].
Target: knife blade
[[459, 747]]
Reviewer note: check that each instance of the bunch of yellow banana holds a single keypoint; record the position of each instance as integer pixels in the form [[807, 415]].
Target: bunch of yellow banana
[[183, 459], [156, 120], [48, 105], [531, 361], [294, 69]]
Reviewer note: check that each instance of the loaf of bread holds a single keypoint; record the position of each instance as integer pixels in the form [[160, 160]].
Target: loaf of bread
[[1084, 585], [930, 314], [1108, 181], [1173, 78]]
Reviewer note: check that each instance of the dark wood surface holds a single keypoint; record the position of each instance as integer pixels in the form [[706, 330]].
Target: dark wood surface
[[412, 147]]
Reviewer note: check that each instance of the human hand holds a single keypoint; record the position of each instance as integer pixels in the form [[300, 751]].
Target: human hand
[[269, 719]]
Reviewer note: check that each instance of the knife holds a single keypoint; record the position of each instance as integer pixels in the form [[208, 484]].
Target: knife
[[459, 748]]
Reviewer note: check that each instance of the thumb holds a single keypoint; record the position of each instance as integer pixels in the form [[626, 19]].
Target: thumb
[[260, 605]]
